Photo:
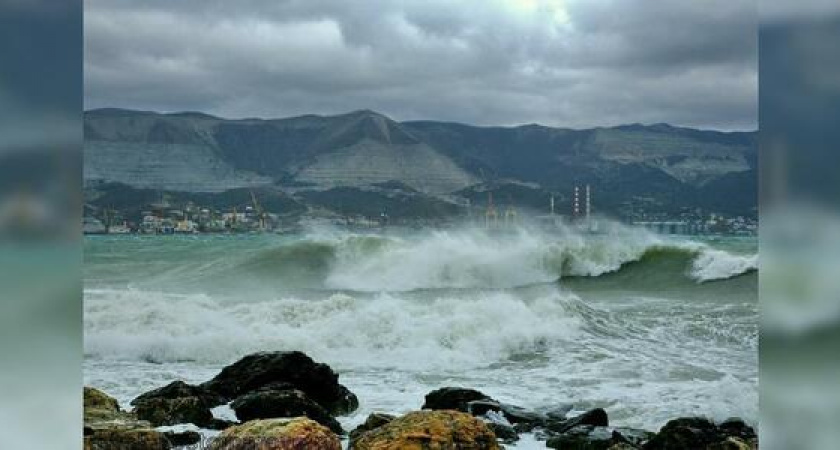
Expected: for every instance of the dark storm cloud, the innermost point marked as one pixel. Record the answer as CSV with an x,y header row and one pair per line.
x,y
557,62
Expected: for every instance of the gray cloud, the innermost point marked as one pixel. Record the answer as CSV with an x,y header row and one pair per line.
x,y
574,63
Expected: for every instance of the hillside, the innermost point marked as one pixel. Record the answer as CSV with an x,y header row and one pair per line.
x,y
325,161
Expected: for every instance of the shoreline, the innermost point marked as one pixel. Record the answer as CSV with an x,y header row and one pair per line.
x,y
263,388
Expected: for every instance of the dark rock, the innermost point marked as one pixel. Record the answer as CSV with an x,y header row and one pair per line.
x,y
596,417
453,398
126,439
514,414
632,436
172,411
584,437
373,421
506,433
736,427
559,413
687,433
501,427
316,380
106,427
734,443
179,389
181,438
269,404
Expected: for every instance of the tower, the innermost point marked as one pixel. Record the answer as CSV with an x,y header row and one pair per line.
x,y
576,204
551,203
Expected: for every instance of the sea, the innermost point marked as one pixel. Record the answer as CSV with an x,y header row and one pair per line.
x,y
648,327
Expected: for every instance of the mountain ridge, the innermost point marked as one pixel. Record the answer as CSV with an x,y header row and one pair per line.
x,y
658,166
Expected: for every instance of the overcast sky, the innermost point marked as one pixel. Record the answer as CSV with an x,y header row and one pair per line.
x,y
570,63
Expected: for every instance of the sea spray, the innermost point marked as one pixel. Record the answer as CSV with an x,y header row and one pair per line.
x,y
382,330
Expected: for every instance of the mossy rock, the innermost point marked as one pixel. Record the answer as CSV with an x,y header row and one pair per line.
x,y
140,439
430,430
96,399
277,434
173,411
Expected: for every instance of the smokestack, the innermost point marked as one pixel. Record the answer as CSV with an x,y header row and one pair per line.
x,y
588,202
576,206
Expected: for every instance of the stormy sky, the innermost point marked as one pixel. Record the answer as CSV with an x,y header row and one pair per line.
x,y
569,63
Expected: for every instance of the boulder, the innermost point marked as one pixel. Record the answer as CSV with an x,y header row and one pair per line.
x,y
173,411
95,400
277,434
736,427
523,419
182,438
180,389
595,417
296,369
585,437
373,421
421,430
266,404
688,433
558,413
106,427
500,426
126,439
101,411
633,436
454,398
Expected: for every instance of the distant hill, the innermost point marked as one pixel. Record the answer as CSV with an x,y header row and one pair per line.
x,y
363,160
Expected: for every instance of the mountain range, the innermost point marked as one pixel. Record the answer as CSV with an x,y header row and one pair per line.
x,y
365,163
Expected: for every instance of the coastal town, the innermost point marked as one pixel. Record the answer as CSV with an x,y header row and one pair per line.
x,y
166,217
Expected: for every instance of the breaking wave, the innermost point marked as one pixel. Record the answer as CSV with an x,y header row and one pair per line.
x,y
351,331
476,259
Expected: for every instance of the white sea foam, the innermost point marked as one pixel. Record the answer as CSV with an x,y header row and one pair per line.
x,y
376,331
711,264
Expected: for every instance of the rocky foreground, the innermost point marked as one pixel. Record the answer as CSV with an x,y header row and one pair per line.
x,y
287,401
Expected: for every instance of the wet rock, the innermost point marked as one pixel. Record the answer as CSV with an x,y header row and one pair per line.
x,y
525,419
633,436
622,446
689,433
373,421
419,430
277,434
139,439
173,411
733,443
500,426
316,380
108,427
181,438
453,398
95,400
736,427
180,389
559,413
101,411
585,437
595,417
266,403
